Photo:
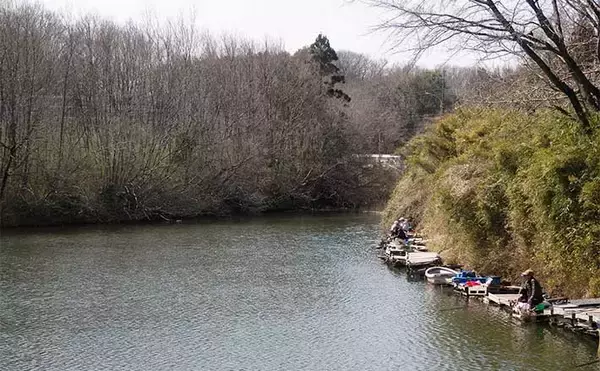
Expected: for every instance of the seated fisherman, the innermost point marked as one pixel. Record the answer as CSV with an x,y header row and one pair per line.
x,y
396,231
405,224
531,291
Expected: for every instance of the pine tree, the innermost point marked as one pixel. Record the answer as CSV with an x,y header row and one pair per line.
x,y
324,55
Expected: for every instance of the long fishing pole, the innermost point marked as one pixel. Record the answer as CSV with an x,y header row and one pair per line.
x,y
588,363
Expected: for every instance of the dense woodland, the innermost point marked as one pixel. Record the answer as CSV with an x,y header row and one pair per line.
x,y
104,122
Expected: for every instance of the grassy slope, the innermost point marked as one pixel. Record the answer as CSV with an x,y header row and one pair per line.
x,y
503,191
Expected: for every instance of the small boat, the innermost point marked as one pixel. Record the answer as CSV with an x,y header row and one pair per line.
x,y
416,260
465,276
440,275
470,284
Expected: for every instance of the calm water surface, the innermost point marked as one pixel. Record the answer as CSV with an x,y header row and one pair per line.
x,y
286,293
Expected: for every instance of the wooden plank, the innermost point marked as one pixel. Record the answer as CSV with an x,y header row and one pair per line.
x,y
569,312
567,306
592,302
581,312
475,291
593,313
558,301
503,299
502,290
417,257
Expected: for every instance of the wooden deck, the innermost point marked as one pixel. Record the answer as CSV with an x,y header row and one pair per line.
x,y
503,299
580,316
503,289
586,316
577,315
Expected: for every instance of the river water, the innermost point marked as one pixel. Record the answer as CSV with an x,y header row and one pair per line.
x,y
284,293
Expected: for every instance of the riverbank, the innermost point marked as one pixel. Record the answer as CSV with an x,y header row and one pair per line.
x,y
503,191
346,186
202,218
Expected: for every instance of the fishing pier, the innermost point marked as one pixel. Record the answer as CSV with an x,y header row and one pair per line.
x,y
579,316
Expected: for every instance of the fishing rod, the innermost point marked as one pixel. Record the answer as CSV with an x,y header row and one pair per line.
x,y
588,363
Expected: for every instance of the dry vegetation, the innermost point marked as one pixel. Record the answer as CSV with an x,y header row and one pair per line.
x,y
102,122
514,183
502,191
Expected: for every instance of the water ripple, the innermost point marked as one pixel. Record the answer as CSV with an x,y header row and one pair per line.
x,y
293,293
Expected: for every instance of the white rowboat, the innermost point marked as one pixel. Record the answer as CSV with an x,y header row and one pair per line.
x,y
440,275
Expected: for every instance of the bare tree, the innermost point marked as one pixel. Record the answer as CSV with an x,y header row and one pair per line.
x,y
356,66
540,30
106,122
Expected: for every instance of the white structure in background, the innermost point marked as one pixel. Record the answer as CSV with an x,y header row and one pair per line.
x,y
397,162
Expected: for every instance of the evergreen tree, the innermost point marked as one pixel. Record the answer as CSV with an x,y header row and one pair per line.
x,y
324,55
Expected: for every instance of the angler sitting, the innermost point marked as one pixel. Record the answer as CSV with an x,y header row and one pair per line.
x,y
396,231
531,292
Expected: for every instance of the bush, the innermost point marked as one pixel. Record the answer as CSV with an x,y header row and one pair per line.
x,y
503,191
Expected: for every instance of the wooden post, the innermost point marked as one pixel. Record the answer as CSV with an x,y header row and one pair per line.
x,y
573,319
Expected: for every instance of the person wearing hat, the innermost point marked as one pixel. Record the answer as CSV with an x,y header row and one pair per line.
x,y
531,291
396,231
404,224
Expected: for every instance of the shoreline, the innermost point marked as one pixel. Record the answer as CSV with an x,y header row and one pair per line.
x,y
571,314
202,218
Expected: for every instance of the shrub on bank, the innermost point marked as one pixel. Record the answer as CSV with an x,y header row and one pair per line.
x,y
503,191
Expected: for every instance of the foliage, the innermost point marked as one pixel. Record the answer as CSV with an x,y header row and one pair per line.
x,y
503,191
324,55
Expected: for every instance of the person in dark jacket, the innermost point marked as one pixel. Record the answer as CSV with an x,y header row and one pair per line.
x,y
531,291
401,234
396,231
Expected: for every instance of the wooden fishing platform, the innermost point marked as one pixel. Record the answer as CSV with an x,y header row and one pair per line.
x,y
484,291
507,302
578,315
581,316
503,289
502,299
